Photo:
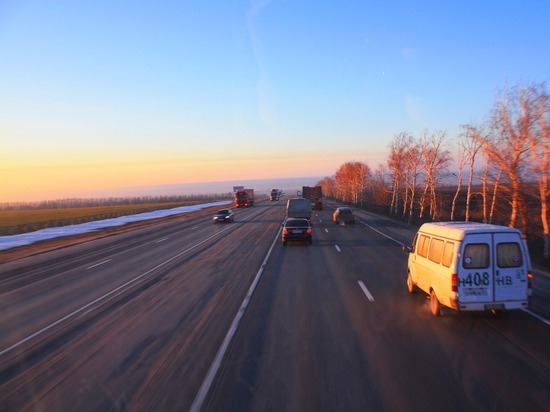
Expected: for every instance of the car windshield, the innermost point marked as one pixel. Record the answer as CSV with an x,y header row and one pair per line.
x,y
223,212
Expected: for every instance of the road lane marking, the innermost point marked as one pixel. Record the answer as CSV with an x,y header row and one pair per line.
x,y
326,230
380,233
195,227
536,316
161,240
98,264
113,293
207,383
366,291
337,248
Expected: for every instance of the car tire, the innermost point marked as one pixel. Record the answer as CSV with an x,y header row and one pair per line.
x,y
410,283
284,242
310,242
435,307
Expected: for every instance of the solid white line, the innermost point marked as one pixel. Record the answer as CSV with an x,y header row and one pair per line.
x,y
537,316
161,240
207,383
98,264
337,248
383,234
366,291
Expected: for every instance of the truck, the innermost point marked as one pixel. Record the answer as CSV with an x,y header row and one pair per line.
x,y
298,207
244,197
275,194
315,196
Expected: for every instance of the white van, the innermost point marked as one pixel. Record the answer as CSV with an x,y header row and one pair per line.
x,y
470,266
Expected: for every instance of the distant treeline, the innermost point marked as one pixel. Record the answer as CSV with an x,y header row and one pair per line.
x,y
110,201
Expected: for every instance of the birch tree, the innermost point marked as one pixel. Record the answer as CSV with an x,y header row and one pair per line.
x,y
471,146
539,146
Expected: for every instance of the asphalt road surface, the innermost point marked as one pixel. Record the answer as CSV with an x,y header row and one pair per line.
x,y
184,314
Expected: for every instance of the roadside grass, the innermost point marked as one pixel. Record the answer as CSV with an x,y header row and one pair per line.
x,y
14,222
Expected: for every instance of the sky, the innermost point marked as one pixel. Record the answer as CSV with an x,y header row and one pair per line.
x,y
99,96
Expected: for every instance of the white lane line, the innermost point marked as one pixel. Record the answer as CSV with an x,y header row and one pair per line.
x,y
337,248
161,240
195,227
207,383
537,316
366,291
380,233
98,264
326,230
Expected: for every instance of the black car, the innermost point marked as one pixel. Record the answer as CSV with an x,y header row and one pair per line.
x,y
343,215
296,229
224,215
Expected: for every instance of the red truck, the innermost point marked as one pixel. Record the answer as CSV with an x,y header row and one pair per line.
x,y
315,195
244,197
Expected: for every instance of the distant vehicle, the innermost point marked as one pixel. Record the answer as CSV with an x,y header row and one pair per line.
x,y
224,215
244,198
343,215
275,194
296,229
470,266
298,207
315,196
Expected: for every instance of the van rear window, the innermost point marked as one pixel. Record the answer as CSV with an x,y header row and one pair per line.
x,y
475,256
509,255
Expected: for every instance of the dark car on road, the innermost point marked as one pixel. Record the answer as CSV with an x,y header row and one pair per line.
x,y
296,229
343,215
224,215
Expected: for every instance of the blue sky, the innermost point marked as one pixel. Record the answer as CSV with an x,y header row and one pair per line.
x,y
101,95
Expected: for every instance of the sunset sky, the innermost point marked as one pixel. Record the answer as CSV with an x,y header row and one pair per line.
x,y
101,95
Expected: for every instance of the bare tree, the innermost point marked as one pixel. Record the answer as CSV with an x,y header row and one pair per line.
x,y
507,145
539,145
460,167
494,197
351,181
413,168
471,146
435,159
328,186
395,163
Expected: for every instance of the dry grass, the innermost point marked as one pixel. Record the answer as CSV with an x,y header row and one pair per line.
x,y
21,221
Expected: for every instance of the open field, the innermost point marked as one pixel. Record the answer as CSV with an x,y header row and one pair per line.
x,y
22,221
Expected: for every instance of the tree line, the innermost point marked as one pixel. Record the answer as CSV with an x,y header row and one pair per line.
x,y
492,172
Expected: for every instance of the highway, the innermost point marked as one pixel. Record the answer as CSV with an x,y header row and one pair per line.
x,y
184,314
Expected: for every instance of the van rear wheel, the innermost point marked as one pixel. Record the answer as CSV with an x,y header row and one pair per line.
x,y
434,304
410,283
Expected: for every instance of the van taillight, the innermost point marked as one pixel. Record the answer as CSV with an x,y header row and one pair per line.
x,y
529,280
454,282
308,231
